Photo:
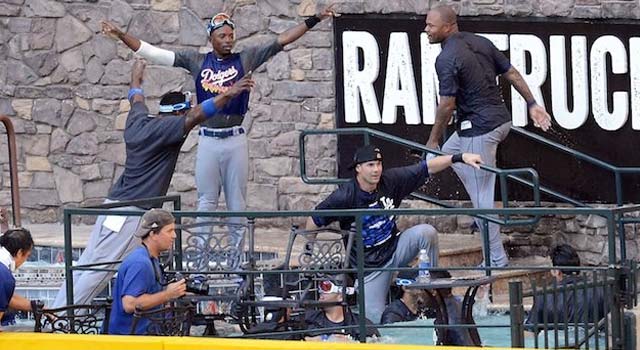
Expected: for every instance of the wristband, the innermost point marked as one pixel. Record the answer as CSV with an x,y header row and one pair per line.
x,y
457,158
531,104
134,91
312,21
209,108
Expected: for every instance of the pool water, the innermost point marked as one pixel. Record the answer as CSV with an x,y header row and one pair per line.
x,y
495,337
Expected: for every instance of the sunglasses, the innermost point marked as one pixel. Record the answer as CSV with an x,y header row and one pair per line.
x,y
404,282
218,21
330,287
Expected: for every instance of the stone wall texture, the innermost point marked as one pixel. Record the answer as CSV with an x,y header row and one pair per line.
x,y
64,85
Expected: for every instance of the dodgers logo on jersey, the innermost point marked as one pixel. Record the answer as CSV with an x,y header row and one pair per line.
x,y
217,82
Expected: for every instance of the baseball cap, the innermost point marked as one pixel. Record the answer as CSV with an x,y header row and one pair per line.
x,y
365,154
154,220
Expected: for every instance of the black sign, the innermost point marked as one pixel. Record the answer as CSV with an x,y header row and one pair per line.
x,y
586,73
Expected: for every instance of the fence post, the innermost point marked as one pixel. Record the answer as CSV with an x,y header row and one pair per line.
x,y
617,309
516,313
360,276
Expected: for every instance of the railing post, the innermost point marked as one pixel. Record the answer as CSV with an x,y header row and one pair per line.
x,y
360,275
68,256
611,237
486,248
177,206
516,313
617,310
13,170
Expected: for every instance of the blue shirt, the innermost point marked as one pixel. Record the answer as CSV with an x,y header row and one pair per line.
x,y
214,75
7,287
152,146
467,69
379,232
139,274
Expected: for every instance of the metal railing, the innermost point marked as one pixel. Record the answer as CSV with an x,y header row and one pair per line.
x,y
359,270
582,310
616,170
13,170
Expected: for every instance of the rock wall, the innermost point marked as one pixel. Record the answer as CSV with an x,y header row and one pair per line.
x,y
64,86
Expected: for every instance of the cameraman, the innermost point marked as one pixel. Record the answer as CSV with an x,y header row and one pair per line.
x,y
139,282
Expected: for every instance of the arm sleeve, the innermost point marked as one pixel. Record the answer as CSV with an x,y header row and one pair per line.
x,y
137,280
190,60
407,179
155,54
336,200
500,61
7,288
253,57
447,76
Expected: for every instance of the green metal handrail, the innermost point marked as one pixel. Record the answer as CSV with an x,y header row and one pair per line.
x,y
367,133
617,171
359,269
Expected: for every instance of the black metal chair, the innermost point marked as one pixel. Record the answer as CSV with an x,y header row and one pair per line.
x,y
211,250
76,319
323,251
171,320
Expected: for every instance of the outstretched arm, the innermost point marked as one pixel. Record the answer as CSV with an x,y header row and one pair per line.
x,y
154,54
539,115
293,34
440,163
444,112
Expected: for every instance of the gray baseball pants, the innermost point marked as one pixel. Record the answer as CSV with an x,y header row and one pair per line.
x,y
480,184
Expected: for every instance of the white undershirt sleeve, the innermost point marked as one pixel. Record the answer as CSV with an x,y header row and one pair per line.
x,y
156,55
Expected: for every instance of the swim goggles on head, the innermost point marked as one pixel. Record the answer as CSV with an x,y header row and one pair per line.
x,y
178,106
330,287
218,21
404,281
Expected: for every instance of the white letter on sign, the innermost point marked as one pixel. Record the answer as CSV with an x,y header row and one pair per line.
x,y
357,82
519,45
634,51
428,55
559,92
608,44
400,82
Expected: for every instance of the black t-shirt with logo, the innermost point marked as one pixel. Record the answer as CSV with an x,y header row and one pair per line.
x,y
379,232
152,146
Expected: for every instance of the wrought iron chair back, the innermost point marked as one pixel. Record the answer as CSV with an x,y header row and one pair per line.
x,y
76,319
212,247
172,320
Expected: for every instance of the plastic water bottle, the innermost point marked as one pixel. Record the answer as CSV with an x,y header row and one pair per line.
x,y
424,264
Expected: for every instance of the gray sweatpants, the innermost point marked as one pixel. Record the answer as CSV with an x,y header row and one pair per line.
x,y
480,184
410,243
103,245
223,164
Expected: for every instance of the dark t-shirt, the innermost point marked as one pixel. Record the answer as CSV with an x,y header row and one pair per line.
x,y
379,232
152,146
580,304
214,75
467,69
317,319
397,311
7,287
